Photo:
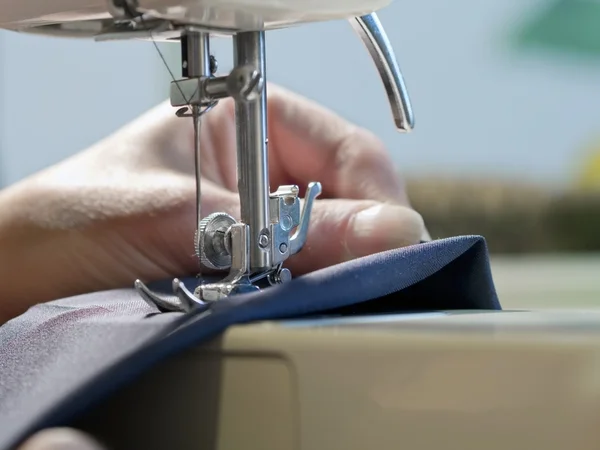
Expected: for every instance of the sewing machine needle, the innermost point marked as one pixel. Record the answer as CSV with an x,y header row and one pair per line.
x,y
196,55
198,168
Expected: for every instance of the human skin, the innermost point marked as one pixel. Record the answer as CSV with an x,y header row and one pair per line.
x,y
125,208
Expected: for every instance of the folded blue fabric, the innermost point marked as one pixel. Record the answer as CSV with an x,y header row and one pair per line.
x,y
61,358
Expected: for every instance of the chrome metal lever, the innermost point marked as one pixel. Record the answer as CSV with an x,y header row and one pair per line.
x,y
299,238
374,37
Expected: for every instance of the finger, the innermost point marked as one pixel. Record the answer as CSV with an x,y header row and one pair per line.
x,y
159,139
61,439
152,244
307,142
311,143
169,237
342,230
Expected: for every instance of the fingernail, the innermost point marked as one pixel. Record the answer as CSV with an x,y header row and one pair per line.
x,y
61,439
383,227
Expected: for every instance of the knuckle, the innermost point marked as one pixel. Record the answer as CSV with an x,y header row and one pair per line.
x,y
365,150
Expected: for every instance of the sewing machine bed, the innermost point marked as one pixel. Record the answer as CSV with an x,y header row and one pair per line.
x,y
471,380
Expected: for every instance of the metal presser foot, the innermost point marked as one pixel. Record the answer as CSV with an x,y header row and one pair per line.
x,y
273,225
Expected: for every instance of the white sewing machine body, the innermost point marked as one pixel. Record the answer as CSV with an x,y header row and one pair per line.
x,y
466,380
84,18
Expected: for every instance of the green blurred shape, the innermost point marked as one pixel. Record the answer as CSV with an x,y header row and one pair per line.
x,y
568,26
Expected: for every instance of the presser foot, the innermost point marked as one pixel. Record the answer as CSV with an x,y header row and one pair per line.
x,y
223,243
182,299
223,289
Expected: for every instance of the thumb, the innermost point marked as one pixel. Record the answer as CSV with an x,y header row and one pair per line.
x,y
60,439
342,230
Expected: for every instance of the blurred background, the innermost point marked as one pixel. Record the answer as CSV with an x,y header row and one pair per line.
x,y
507,102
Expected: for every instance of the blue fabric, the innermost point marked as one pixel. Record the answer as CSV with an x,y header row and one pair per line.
x,y
61,358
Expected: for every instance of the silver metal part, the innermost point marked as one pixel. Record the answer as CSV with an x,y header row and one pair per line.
x,y
237,281
252,163
374,37
299,238
186,302
280,276
285,217
242,84
214,241
202,92
272,226
163,304
246,84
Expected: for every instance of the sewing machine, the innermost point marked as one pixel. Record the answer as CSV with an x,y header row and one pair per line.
x,y
468,380
273,227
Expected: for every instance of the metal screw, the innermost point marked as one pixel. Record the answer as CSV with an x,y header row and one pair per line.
x,y
263,240
245,83
279,277
214,66
283,247
286,222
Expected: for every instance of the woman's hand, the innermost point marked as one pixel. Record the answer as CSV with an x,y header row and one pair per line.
x,y
125,208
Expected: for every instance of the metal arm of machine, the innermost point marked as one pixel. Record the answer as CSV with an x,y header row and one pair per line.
x,y
272,226
374,37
